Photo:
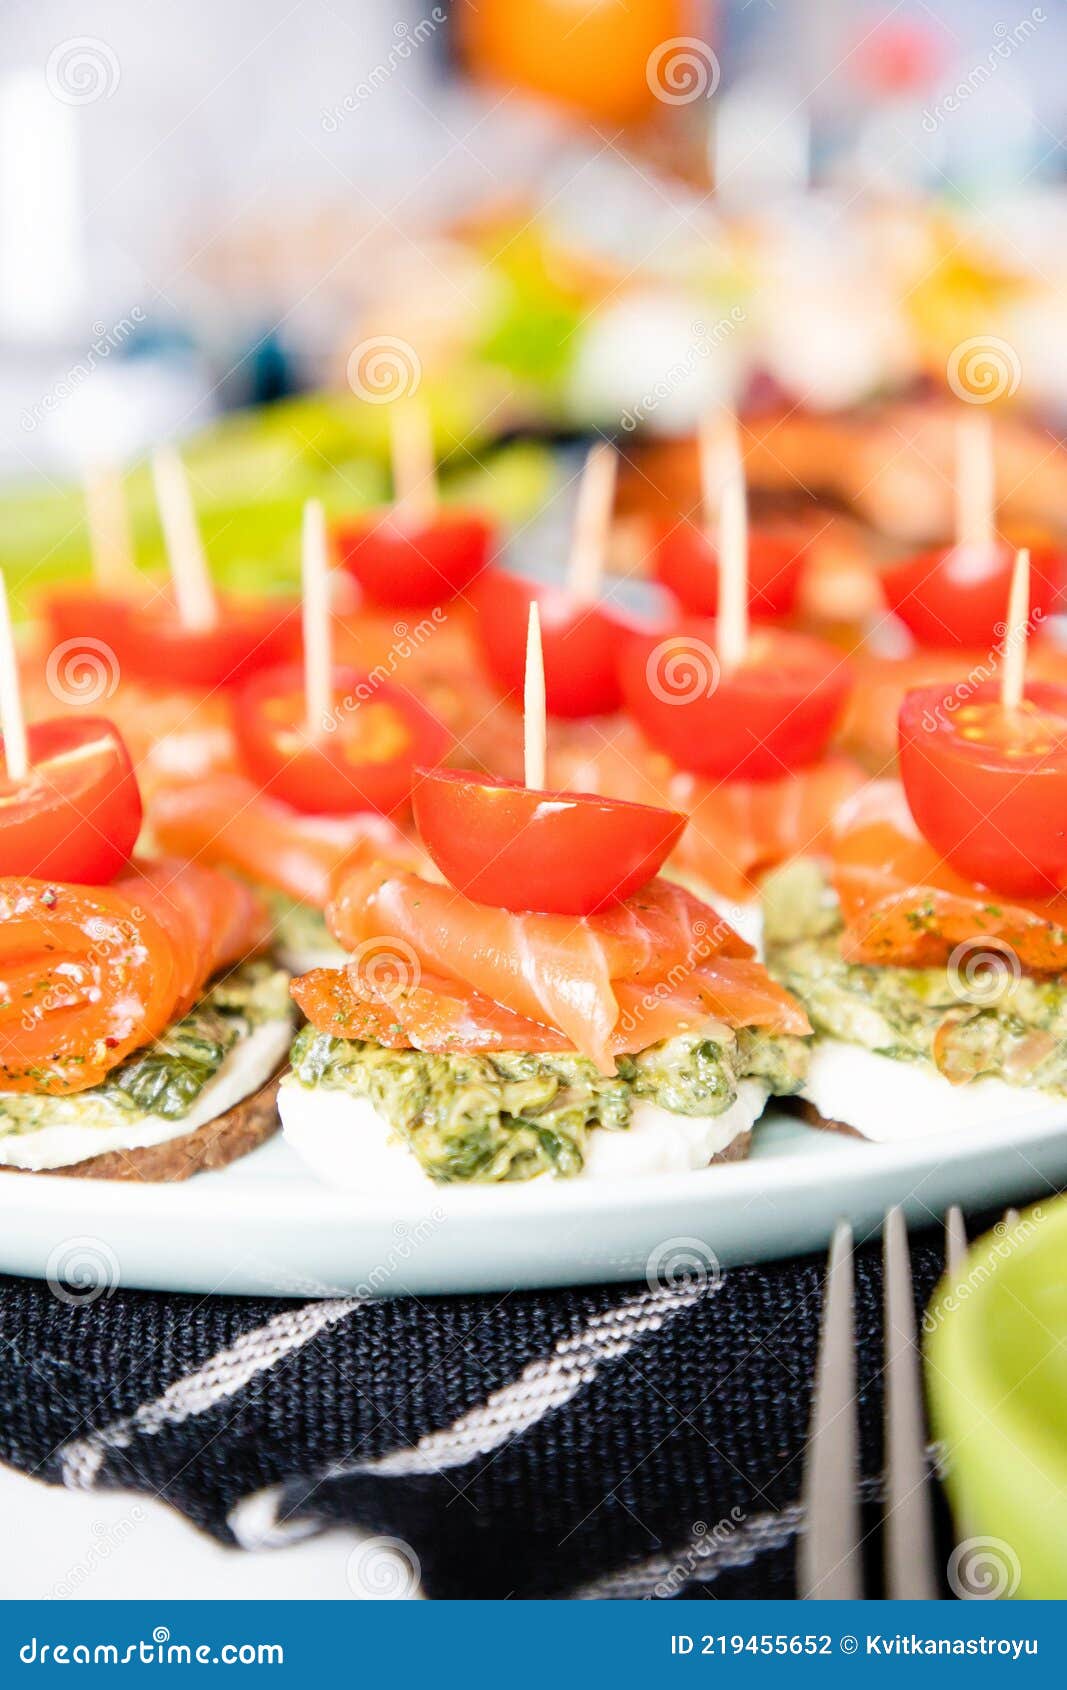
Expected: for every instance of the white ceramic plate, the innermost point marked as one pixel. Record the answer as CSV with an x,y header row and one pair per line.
x,y
266,1226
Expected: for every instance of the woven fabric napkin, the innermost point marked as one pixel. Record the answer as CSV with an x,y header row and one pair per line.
x,y
612,1442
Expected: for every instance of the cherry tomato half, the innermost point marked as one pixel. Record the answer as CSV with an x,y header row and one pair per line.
x,y
83,613
77,814
152,644
364,756
685,563
772,713
400,564
988,786
561,853
958,595
580,643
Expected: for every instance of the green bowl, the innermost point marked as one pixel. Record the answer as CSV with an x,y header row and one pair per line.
x,y
996,1373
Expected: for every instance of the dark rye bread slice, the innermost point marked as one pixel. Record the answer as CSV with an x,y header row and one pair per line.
x,y
214,1145
736,1151
808,1112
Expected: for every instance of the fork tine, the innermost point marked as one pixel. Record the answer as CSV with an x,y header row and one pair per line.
x,y
955,1238
830,1566
909,1549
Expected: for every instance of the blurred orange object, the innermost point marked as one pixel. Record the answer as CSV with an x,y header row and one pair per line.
x,y
591,55
738,829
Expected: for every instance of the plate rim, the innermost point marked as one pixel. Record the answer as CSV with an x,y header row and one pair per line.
x,y
535,1199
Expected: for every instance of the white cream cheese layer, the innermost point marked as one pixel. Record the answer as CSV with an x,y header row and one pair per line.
x,y
888,1101
242,1072
347,1144
299,959
660,1142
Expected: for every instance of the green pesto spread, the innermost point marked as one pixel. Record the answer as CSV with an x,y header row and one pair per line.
x,y
166,1077
968,1021
300,930
513,1115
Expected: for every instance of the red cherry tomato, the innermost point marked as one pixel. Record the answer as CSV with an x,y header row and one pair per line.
x,y
958,595
77,814
400,564
773,713
363,758
153,645
83,613
580,643
562,853
685,563
988,787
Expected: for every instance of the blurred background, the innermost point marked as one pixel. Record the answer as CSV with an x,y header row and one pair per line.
x,y
247,225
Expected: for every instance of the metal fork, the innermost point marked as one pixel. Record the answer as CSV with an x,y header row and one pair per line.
x,y
830,1563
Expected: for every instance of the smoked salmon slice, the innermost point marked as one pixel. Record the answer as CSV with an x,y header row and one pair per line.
x,y
904,905
738,830
440,1015
667,950
436,1015
226,820
212,919
868,729
88,974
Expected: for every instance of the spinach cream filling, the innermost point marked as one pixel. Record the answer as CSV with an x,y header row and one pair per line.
x,y
512,1115
167,1076
966,1021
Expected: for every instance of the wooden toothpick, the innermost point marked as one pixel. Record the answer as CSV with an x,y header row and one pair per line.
x,y
592,524
194,594
12,721
315,613
414,464
1013,674
110,540
975,480
732,548
721,459
534,729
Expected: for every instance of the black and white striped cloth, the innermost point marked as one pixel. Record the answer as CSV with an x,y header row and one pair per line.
x,y
608,1442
